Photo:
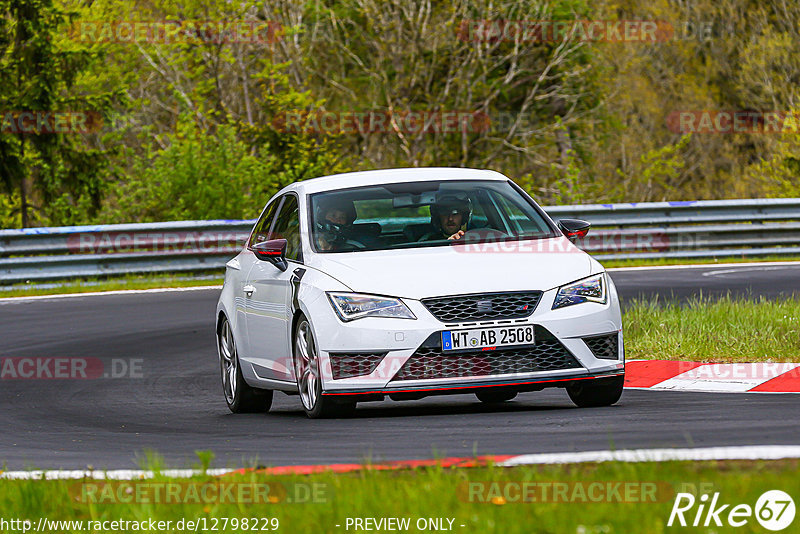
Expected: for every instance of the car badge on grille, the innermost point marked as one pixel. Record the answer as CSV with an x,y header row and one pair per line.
x,y
484,306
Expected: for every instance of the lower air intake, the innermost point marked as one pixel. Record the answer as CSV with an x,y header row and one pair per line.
x,y
347,365
605,347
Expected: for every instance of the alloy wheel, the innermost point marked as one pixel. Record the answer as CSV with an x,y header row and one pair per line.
x,y
307,365
228,362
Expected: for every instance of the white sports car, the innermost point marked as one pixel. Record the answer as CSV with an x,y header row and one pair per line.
x,y
410,283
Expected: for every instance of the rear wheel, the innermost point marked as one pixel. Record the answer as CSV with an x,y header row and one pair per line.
x,y
239,395
495,396
600,392
309,378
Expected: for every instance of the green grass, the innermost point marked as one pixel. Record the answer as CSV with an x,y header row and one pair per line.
x,y
93,285
720,330
329,499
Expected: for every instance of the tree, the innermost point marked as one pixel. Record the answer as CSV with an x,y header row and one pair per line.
x,y
53,173
210,97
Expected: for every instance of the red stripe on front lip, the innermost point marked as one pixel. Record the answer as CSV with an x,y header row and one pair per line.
x,y
502,384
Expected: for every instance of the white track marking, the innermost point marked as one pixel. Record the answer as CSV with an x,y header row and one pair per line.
x,y
705,266
750,452
762,452
11,300
746,269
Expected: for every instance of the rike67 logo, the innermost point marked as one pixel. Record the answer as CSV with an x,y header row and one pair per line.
x,y
774,510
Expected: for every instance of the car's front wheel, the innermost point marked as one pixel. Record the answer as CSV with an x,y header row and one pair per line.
x,y
593,393
239,395
309,378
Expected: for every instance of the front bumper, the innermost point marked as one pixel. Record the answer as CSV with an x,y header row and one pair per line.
x,y
528,384
397,340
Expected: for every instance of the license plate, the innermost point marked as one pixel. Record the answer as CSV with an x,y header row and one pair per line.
x,y
481,338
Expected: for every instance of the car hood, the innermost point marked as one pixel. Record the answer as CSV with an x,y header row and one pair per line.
x,y
450,270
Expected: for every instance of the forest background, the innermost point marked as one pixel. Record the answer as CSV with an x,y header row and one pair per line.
x,y
204,109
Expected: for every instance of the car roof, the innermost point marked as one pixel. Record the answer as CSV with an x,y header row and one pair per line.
x,y
389,176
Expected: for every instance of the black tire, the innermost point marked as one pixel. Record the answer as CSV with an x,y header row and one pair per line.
x,y
240,396
495,396
306,365
599,392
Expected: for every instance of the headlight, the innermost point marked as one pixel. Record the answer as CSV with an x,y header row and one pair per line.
x,y
591,289
351,306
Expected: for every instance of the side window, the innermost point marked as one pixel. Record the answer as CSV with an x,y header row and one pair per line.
x,y
261,230
287,226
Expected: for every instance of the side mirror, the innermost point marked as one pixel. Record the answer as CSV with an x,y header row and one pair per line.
x,y
574,229
273,251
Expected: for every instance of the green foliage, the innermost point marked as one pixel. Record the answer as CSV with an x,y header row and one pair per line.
x,y
201,176
9,211
568,186
199,129
55,174
204,138
596,497
197,176
205,458
658,173
778,174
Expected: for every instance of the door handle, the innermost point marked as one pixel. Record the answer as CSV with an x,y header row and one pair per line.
x,y
249,290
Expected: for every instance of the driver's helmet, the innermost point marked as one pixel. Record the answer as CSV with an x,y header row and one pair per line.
x,y
451,202
330,231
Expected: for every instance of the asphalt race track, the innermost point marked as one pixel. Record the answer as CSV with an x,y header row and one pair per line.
x,y
176,407
681,283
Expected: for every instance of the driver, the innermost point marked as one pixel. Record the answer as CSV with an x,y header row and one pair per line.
x,y
450,214
334,219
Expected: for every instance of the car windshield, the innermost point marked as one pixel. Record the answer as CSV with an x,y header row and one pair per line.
x,y
423,214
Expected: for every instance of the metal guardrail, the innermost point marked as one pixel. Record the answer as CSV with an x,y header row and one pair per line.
x,y
694,229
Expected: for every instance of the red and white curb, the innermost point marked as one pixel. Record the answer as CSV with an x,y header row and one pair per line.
x,y
761,452
764,377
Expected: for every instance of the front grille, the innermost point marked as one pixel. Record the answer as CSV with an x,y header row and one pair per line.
x,y
605,347
429,361
346,365
483,306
